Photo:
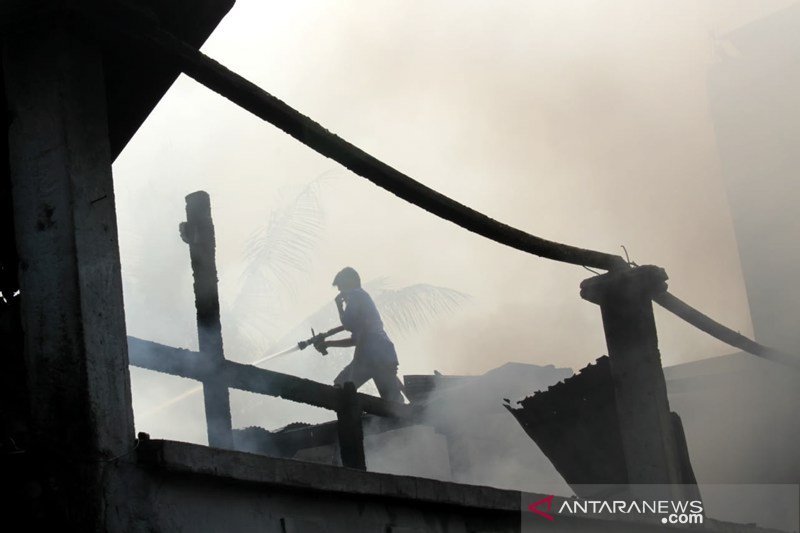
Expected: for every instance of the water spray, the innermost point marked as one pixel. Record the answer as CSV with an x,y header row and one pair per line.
x,y
287,351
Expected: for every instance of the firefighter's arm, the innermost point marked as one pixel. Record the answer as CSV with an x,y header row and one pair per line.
x,y
340,343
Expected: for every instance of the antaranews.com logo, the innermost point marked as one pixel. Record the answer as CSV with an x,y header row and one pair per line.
x,y
639,508
677,512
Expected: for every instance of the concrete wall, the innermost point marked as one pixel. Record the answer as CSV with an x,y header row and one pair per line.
x,y
739,413
754,94
184,487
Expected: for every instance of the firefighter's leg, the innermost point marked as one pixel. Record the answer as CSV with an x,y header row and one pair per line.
x,y
389,386
355,372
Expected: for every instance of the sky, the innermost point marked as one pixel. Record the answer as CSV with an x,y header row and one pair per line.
x,y
584,122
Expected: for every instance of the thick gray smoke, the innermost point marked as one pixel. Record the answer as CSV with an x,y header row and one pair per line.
x,y
584,122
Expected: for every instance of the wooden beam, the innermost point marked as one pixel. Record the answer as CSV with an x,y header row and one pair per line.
x,y
167,359
672,303
189,364
350,430
166,47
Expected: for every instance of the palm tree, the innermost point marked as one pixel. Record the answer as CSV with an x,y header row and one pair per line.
x,y
276,257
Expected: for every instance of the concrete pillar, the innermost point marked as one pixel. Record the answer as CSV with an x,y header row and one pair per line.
x,y
198,232
648,440
69,270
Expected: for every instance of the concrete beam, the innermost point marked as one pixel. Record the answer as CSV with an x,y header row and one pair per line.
x,y
233,491
66,234
648,440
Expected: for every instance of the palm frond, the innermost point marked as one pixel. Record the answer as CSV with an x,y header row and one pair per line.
x,y
284,247
411,308
276,254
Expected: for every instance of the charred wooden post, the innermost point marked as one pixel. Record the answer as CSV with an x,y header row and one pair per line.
x,y
198,233
648,437
351,431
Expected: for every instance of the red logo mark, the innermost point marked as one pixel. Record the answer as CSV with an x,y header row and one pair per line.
x,y
549,501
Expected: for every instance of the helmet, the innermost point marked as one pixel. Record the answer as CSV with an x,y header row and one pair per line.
x,y
348,277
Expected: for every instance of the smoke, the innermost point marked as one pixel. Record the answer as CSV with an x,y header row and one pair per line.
x,y
584,122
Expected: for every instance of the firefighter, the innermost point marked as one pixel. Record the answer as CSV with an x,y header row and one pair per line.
x,y
374,357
